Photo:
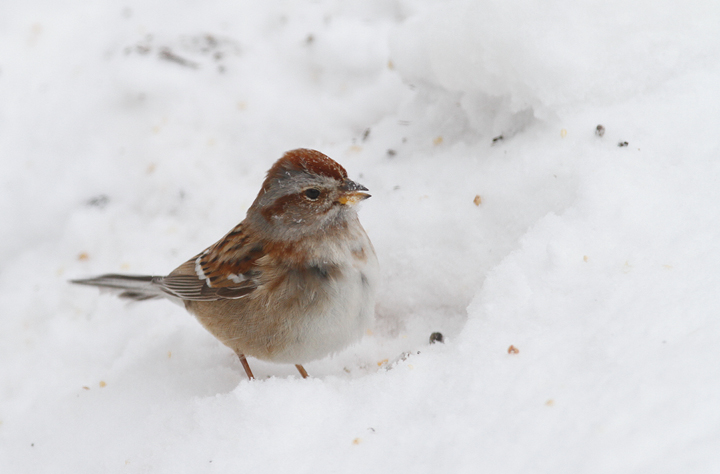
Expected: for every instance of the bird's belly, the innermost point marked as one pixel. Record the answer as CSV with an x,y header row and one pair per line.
x,y
296,319
326,319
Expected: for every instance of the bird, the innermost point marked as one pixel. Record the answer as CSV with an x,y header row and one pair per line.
x,y
294,282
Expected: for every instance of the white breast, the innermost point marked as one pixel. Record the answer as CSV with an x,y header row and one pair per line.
x,y
343,310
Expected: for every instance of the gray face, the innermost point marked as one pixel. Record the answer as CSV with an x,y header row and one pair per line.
x,y
300,204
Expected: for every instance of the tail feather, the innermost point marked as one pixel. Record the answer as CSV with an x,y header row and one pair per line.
x,y
135,287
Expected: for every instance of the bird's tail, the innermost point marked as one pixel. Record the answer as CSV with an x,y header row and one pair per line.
x,y
135,287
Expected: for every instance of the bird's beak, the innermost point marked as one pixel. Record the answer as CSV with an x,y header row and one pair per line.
x,y
352,193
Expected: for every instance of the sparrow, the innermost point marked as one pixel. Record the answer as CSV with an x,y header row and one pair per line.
x,y
292,283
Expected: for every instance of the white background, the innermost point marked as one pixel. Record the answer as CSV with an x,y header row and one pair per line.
x,y
134,134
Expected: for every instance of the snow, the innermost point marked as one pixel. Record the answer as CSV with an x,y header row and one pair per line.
x,y
134,134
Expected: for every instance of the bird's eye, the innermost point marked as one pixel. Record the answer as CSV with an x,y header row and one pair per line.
x,y
312,193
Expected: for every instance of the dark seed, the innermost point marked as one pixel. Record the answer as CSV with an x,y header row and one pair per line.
x,y
436,337
99,201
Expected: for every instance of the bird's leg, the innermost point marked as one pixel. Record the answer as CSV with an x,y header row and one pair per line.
x,y
245,365
302,371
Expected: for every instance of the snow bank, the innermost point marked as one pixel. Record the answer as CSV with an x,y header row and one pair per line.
x,y
134,135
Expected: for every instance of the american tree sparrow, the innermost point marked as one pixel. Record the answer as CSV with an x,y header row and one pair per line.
x,y
291,283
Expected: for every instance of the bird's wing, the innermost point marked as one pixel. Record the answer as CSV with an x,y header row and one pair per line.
x,y
226,270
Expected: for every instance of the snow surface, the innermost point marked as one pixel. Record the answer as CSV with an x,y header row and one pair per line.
x,y
134,134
